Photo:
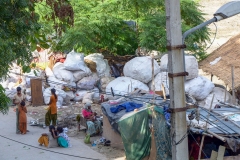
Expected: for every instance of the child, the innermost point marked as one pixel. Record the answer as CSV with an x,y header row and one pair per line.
x,y
49,139
63,139
22,110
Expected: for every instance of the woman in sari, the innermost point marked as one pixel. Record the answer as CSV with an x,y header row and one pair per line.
x,y
49,139
51,115
94,125
22,110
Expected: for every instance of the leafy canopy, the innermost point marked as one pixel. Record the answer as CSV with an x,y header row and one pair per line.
x,y
21,32
100,26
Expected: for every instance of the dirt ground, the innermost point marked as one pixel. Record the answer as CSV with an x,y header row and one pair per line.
x,y
226,28
73,133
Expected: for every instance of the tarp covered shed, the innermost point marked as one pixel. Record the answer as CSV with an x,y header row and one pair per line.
x,y
135,127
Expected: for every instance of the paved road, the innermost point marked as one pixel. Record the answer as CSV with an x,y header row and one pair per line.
x,y
11,150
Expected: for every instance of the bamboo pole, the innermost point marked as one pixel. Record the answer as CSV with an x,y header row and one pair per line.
x,y
206,127
233,92
164,92
225,94
153,82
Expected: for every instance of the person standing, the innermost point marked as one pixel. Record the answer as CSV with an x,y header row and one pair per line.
x,y
19,96
51,115
17,99
22,110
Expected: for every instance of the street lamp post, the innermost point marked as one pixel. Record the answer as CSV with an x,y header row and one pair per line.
x,y
228,10
176,63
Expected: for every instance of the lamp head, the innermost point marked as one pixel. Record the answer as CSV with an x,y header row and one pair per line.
x,y
228,10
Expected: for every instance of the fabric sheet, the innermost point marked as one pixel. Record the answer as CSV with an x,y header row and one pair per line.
x,y
128,106
162,135
136,135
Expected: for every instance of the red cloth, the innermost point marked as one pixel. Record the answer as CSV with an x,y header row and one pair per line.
x,y
62,60
86,114
195,151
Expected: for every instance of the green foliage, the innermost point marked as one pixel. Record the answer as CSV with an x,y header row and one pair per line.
x,y
20,32
4,101
18,23
99,27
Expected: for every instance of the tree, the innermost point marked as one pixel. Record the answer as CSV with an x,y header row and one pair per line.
x,y
100,26
20,33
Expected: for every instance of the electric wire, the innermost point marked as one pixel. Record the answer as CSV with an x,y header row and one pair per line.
x,y
47,149
213,38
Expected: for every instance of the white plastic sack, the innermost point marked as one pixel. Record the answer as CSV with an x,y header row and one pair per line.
x,y
199,87
61,73
75,62
79,95
87,82
106,73
10,93
104,82
4,83
55,83
69,95
103,68
59,102
11,85
159,79
87,98
191,66
95,92
28,98
48,72
28,91
164,63
78,75
140,68
47,94
125,85
219,94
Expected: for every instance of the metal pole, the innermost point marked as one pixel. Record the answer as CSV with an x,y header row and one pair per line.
x,y
188,32
176,84
185,34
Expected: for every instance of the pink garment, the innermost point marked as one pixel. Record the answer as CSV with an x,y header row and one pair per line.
x,y
86,114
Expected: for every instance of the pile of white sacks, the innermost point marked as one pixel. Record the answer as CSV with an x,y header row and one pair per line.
x,y
72,73
137,74
199,87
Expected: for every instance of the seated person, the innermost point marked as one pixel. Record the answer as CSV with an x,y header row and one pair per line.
x,y
49,139
94,125
63,139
